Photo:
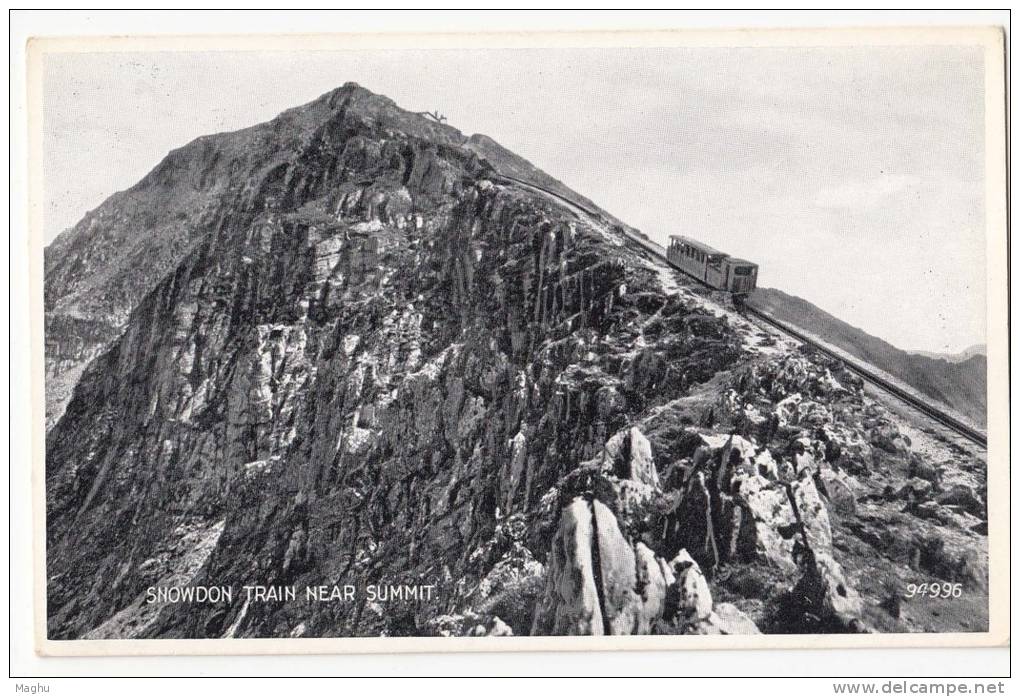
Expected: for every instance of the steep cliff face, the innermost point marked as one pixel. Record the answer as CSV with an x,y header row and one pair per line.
x,y
374,359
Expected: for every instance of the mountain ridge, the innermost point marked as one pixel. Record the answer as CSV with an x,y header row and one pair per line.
x,y
958,356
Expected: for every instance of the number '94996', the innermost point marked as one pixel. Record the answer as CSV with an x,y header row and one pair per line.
x,y
934,590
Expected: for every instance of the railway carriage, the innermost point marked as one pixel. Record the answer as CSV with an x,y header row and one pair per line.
x,y
712,267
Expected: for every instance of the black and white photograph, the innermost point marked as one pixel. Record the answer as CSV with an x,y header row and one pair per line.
x,y
694,339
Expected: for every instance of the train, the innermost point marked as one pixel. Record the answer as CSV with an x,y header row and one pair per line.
x,y
710,266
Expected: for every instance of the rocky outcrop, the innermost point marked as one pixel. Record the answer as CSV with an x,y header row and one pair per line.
x,y
573,600
599,583
368,357
628,455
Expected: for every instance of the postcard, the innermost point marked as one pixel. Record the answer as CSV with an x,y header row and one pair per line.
x,y
352,343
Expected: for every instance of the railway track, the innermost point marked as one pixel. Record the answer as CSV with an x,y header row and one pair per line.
x,y
954,424
934,413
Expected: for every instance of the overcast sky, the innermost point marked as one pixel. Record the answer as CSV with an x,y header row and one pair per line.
x,y
853,176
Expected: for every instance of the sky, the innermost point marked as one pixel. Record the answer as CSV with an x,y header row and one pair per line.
x,y
854,176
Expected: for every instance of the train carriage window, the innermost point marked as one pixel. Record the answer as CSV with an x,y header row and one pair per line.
x,y
742,271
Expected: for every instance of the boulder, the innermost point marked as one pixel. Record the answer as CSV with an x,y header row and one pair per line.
x,y
840,597
655,578
571,601
628,455
622,607
822,601
511,588
814,516
963,496
787,410
931,510
766,466
499,628
726,455
923,470
691,526
691,599
915,489
725,619
776,526
815,414
887,437
840,489
597,582
847,448
637,505
828,385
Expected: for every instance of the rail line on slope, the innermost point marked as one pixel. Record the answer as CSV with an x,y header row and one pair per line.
x,y
967,431
947,420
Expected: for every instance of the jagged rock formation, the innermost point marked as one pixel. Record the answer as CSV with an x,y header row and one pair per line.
x,y
344,348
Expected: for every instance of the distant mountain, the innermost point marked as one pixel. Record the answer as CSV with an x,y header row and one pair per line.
x,y
957,381
959,357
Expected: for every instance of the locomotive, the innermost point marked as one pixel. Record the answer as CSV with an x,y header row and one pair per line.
x,y
710,266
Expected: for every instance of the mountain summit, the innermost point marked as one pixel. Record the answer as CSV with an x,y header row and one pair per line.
x,y
352,348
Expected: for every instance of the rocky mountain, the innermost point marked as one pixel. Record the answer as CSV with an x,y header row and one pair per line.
x,y
959,382
347,348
